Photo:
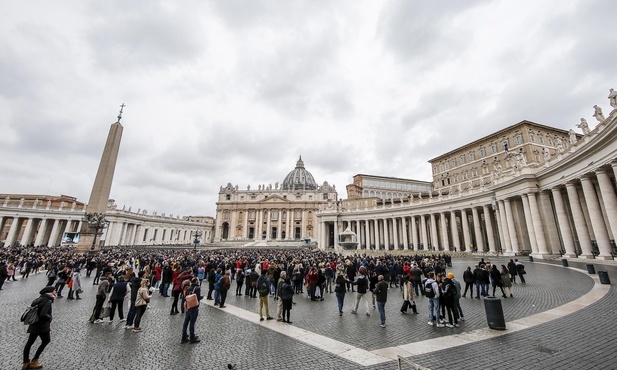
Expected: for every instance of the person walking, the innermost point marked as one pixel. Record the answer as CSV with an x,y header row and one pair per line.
x,y
135,284
191,313
496,278
286,295
141,303
362,284
408,297
263,290
340,289
116,298
40,329
101,296
505,280
381,296
469,280
76,284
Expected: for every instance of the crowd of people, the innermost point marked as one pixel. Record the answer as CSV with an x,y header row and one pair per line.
x,y
264,274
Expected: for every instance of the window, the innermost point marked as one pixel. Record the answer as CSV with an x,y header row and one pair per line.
x,y
453,163
228,197
456,177
251,215
482,151
518,138
540,138
532,136
298,215
550,141
474,172
275,215
465,175
441,167
462,159
226,215
325,196
472,155
505,143
493,147
434,169
447,166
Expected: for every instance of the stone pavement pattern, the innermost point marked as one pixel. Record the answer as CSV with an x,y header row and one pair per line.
x,y
585,339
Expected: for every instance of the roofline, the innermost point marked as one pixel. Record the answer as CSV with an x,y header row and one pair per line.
x,y
521,123
392,178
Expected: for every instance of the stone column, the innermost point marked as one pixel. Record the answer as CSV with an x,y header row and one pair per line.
x,y
477,229
27,237
11,238
53,237
564,224
511,226
530,227
597,220
454,229
465,226
424,231
414,232
395,232
579,221
40,236
386,234
245,225
377,241
404,233
503,228
279,227
444,231
538,225
268,216
359,234
609,199
434,236
488,221
289,227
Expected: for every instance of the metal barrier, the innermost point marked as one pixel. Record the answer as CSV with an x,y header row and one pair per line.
x,y
400,359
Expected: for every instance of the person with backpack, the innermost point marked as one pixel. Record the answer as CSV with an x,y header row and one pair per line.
x,y
449,294
263,289
191,314
225,285
431,291
52,273
41,328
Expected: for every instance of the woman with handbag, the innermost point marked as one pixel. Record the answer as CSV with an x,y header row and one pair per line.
x,y
193,295
141,303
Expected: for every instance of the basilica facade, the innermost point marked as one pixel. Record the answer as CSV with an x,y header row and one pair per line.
x,y
527,189
273,213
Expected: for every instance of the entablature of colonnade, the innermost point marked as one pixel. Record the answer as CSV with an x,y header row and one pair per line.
x,y
596,150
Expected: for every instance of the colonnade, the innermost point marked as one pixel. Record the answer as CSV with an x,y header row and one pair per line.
x,y
266,224
575,218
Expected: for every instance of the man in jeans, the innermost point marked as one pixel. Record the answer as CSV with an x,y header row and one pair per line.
x,y
433,299
362,284
101,296
381,295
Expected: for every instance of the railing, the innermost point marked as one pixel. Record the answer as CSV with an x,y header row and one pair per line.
x,y
400,361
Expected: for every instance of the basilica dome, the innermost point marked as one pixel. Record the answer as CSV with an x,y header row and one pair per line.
x,y
299,178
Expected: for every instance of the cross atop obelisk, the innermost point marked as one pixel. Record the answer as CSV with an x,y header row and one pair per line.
x,y
120,114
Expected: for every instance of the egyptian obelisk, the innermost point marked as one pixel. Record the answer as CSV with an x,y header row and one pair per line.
x,y
102,183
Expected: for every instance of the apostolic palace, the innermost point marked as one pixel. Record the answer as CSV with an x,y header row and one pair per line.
x,y
526,189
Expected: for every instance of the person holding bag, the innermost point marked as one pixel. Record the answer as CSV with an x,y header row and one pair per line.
x,y
193,296
141,303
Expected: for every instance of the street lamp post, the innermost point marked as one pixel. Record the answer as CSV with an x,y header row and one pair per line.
x,y
196,235
97,222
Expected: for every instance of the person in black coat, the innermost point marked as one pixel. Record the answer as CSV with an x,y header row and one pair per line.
x,y
41,328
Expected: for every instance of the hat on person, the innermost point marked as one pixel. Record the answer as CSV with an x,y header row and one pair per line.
x,y
450,275
47,289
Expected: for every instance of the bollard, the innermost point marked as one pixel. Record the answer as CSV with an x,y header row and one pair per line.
x,y
494,313
530,258
564,262
603,275
591,269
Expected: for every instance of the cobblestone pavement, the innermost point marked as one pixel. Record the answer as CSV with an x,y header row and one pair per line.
x,y
583,339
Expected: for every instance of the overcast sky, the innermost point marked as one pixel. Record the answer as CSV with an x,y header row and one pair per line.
x,y
232,91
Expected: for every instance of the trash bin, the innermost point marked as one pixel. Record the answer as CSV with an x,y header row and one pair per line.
x,y
564,262
494,313
603,275
591,269
530,258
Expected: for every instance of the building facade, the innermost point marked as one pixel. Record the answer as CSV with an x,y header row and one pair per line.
x,y
51,220
273,213
528,189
